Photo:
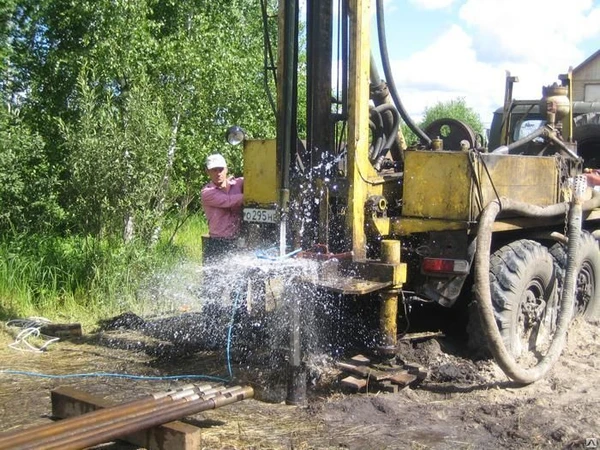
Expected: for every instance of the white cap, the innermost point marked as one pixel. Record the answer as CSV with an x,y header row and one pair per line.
x,y
215,161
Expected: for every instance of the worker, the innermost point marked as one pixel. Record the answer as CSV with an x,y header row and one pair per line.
x,y
222,201
593,177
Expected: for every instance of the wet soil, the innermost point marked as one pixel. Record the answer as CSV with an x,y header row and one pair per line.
x,y
463,404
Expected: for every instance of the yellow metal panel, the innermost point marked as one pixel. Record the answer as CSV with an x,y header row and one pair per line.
x,y
408,225
261,184
444,185
531,179
400,272
437,185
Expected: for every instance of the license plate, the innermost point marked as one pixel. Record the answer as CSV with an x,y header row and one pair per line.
x,y
259,215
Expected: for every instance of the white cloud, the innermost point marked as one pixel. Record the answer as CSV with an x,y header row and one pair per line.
x,y
535,40
445,70
432,4
544,32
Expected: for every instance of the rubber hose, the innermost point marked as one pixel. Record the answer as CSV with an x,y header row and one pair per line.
x,y
482,282
391,132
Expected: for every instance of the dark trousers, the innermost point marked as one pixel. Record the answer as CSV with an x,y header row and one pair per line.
x,y
214,249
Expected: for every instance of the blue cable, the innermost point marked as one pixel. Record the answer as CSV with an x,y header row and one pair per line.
x,y
113,375
264,255
229,334
157,378
144,377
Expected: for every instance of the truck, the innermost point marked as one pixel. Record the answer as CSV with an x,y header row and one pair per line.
x,y
517,118
508,231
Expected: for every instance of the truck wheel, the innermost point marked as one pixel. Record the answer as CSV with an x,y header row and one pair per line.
x,y
586,133
587,290
524,295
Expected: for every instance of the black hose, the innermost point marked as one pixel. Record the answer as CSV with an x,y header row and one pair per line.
x,y
385,61
377,139
393,131
482,282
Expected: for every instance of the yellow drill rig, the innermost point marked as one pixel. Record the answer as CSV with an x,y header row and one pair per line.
x,y
511,229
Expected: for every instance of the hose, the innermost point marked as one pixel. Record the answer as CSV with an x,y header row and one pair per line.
x,y
384,132
482,280
543,131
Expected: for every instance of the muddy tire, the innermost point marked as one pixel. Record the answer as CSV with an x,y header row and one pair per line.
x,y
523,289
587,290
586,133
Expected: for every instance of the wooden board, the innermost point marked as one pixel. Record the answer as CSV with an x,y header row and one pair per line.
x,y
365,375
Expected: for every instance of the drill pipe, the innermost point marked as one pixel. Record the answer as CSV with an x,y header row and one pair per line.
x,y
122,428
39,429
21,437
179,399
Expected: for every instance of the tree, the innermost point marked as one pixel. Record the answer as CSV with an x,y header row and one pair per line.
x,y
27,185
128,97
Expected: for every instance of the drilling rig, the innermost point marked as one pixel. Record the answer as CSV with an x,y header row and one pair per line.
x,y
511,229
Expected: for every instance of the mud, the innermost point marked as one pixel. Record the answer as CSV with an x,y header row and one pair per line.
x,y
463,404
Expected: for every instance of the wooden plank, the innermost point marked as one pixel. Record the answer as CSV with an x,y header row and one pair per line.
x,y
62,329
388,367
363,371
360,360
384,386
350,286
69,402
417,370
423,335
354,383
402,379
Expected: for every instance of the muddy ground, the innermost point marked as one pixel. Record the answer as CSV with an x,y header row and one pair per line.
x,y
463,404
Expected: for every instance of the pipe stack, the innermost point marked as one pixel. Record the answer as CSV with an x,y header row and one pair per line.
x,y
107,424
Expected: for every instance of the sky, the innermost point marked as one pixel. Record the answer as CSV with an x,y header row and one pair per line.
x,y
441,50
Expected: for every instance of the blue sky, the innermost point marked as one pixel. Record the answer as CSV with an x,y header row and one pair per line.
x,y
444,49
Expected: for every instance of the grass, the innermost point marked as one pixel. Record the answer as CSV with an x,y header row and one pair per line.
x,y
189,237
81,279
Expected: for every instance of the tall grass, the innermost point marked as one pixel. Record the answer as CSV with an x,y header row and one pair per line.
x,y
84,279
188,236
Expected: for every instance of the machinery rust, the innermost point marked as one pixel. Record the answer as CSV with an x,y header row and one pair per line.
x,y
107,424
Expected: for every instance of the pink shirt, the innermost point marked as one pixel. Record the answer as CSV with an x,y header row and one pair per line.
x,y
223,209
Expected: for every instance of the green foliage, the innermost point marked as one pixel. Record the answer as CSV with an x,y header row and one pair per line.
x,y
119,104
186,236
74,276
453,109
27,185
141,86
115,159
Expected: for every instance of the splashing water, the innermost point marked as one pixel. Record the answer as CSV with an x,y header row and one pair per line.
x,y
257,292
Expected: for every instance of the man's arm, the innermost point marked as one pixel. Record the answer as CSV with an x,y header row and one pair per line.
x,y
593,178
217,198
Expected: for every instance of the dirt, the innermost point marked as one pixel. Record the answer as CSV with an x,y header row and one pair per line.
x,y
463,404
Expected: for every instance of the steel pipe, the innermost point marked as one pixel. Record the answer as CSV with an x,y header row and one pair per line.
x,y
153,402
173,412
91,425
9,439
